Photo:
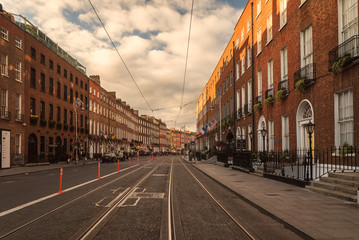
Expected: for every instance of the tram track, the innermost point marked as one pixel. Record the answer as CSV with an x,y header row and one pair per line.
x,y
57,209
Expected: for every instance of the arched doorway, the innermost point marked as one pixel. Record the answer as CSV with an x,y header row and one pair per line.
x,y
304,115
58,149
32,149
262,143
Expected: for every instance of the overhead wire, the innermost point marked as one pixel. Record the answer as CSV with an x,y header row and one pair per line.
x,y
186,62
128,70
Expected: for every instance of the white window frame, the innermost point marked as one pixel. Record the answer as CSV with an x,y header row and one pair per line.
x,y
270,135
17,143
249,137
237,70
270,73
4,102
243,65
248,24
347,19
242,35
243,96
344,117
285,133
259,7
249,56
18,71
282,13
259,41
4,33
259,82
5,65
18,42
269,28
238,101
284,63
306,46
249,95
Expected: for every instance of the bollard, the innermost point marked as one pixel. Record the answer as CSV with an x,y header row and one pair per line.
x,y
118,165
137,160
129,163
61,173
99,171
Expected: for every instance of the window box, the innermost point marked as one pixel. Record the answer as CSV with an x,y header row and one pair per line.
x,y
258,106
52,123
66,126
269,101
306,76
59,125
300,85
82,130
341,62
34,119
72,128
43,122
281,94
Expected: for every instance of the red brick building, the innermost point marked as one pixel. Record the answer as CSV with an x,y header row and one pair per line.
x,y
12,91
286,65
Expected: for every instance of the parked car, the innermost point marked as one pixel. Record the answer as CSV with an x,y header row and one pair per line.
x,y
109,157
119,156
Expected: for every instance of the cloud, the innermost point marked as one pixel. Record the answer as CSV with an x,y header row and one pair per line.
x,y
151,36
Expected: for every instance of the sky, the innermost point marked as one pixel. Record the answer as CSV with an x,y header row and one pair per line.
x,y
151,36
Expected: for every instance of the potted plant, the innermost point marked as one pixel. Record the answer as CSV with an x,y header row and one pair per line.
x,y
269,101
338,65
281,94
346,149
52,123
300,85
258,106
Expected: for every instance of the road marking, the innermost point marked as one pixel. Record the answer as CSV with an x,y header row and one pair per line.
x,y
53,195
159,175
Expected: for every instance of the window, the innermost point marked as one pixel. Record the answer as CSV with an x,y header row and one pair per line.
x,y
51,86
282,13
249,137
237,70
4,34
51,64
42,59
243,96
284,63
306,46
42,111
231,78
349,19
90,90
259,7
58,69
249,57
71,118
18,42
33,53
249,94
238,100
344,117
270,74
32,106
17,106
270,135
237,42
58,92
227,83
65,93
58,114
71,77
18,71
269,28
65,116
4,65
81,84
76,81
86,86
242,35
17,143
285,133
65,73
51,112
4,103
259,41
71,95
33,78
243,64
259,82
248,24
42,85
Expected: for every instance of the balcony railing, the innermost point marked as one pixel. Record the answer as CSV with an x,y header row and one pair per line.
x,y
308,73
5,115
348,51
246,109
19,117
269,92
239,113
250,108
283,84
258,99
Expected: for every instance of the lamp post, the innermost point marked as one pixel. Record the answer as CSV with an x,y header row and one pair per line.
x,y
76,104
250,138
264,132
310,129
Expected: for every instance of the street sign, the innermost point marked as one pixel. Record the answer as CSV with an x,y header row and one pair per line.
x,y
192,143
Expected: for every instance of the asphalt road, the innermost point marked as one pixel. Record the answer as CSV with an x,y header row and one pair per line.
x,y
132,204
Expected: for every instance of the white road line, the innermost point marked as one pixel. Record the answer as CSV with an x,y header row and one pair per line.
x,y
169,205
54,195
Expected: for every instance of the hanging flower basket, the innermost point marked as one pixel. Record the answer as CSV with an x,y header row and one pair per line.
x,y
300,85
33,119
269,101
258,106
338,65
281,94
43,122
52,123
72,128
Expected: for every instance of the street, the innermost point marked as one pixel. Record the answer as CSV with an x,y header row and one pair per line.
x,y
162,199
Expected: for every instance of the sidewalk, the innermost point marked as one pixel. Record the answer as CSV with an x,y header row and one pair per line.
x,y
316,215
39,168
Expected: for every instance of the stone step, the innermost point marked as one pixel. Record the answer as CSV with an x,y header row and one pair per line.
x,y
335,187
340,195
340,181
351,176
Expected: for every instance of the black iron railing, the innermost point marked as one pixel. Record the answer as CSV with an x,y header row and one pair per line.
x,y
5,115
283,84
19,117
245,109
348,50
269,92
308,73
239,113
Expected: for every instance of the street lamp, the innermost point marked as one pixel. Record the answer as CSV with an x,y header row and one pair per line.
x,y
264,132
76,104
310,129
